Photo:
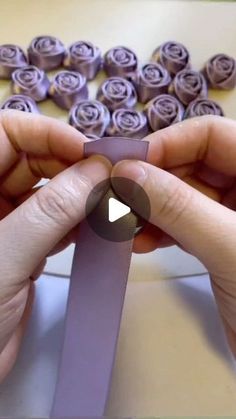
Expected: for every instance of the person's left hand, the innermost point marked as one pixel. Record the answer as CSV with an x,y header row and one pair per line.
x,y
34,223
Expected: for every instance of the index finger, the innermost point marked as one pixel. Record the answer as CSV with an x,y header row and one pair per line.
x,y
39,136
210,139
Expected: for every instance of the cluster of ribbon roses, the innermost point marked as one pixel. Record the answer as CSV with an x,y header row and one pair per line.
x,y
167,86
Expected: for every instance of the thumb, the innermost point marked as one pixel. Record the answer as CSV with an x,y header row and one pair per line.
x,y
29,233
203,227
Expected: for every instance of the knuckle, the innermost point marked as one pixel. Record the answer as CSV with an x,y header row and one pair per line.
x,y
56,204
176,201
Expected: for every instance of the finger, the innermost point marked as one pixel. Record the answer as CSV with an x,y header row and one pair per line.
x,y
151,238
34,228
9,354
208,138
196,222
204,173
39,136
27,173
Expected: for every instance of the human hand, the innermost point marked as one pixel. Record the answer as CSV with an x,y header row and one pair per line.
x,y
191,184
36,222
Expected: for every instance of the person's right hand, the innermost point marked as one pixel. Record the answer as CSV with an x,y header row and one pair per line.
x,y
193,200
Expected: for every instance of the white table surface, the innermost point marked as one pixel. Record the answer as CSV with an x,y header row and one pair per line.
x,y
172,356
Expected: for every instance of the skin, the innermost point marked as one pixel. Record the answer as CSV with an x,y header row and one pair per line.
x,y
189,179
35,223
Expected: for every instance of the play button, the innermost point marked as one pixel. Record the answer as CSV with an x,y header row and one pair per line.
x,y
112,219
117,210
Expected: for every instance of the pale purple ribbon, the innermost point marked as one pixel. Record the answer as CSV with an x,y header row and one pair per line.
x,y
117,92
84,57
20,103
67,88
163,111
189,85
96,296
11,58
128,123
172,55
220,72
151,80
120,61
90,117
46,52
30,81
201,107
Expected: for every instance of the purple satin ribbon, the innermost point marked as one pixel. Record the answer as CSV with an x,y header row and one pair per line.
x,y
96,296
151,80
120,61
11,58
46,52
20,103
30,81
201,107
90,117
128,123
189,85
84,57
173,56
117,92
67,88
163,111
220,72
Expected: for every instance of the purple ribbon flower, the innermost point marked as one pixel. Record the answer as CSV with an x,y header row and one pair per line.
x,y
11,58
201,107
173,56
30,81
163,110
84,57
220,72
67,88
46,52
151,80
117,92
189,85
20,103
128,123
90,117
120,61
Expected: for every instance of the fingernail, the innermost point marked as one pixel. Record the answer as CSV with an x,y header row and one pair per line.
x,y
133,171
95,168
130,169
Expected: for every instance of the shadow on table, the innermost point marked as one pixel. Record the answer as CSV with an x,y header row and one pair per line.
x,y
202,306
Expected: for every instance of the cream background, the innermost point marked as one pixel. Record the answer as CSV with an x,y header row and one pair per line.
x,y
172,357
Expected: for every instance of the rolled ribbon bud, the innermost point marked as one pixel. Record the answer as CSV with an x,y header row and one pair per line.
x,y
120,61
220,72
173,56
11,58
67,88
189,85
30,81
84,57
201,107
117,92
46,52
90,117
163,111
152,79
20,103
128,123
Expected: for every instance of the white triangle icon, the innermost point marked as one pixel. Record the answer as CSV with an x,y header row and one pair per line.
x,y
116,210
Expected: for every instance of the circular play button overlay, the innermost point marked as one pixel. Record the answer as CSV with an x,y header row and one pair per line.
x,y
113,219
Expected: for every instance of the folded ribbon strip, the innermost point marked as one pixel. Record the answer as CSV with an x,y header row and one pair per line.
x,y
96,296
